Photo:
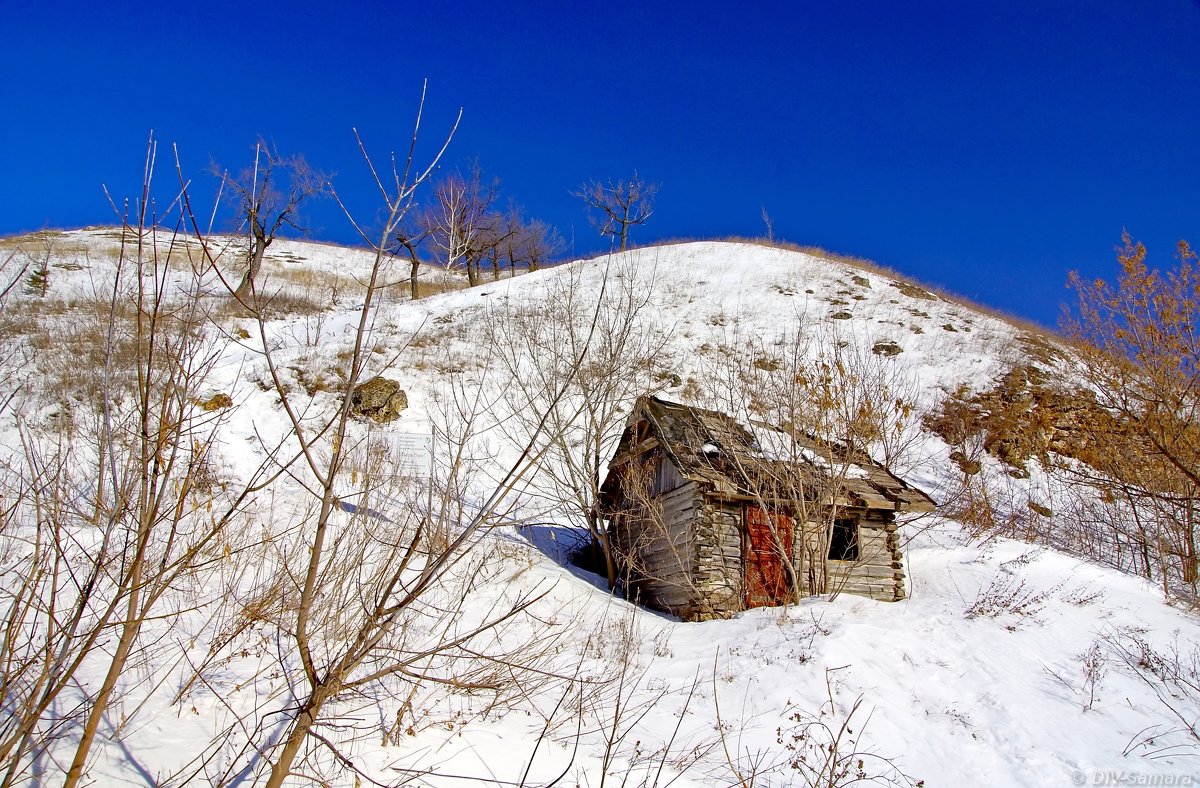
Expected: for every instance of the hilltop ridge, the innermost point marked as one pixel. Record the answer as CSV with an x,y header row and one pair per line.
x,y
1030,665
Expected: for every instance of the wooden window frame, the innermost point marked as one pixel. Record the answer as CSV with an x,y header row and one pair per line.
x,y
851,550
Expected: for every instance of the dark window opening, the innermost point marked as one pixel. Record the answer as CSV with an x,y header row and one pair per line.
x,y
843,540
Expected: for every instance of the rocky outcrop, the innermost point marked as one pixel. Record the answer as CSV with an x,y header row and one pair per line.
x,y
379,399
1022,417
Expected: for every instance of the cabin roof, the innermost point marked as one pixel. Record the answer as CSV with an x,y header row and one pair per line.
x,y
733,460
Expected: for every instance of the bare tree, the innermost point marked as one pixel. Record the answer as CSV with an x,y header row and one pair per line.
x,y
410,236
528,244
606,351
496,240
124,511
372,603
615,206
538,243
821,410
269,196
460,220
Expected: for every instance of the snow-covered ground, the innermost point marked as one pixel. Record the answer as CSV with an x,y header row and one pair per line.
x,y
1008,664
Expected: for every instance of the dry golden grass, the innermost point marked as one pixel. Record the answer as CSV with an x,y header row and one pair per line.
x,y
70,343
30,240
46,242
438,286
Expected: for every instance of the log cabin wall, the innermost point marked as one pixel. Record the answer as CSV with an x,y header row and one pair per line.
x,y
718,574
657,551
877,572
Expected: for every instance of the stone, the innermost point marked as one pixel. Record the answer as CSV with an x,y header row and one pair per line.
x,y
887,348
912,291
1044,511
379,399
217,401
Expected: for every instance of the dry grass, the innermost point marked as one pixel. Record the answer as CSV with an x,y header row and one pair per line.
x,y
48,243
30,240
443,285
70,344
305,278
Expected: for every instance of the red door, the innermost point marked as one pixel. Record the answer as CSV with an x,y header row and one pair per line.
x,y
766,571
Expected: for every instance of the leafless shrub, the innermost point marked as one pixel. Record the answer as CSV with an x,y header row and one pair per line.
x,y
826,748
125,512
14,354
612,705
606,352
1172,673
1093,667
1008,595
378,569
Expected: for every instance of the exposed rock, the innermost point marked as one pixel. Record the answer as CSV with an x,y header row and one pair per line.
x,y
216,402
912,291
1040,348
379,399
1023,416
887,347
842,315
861,281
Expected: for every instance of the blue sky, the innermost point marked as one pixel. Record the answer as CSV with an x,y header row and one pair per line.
x,y
985,147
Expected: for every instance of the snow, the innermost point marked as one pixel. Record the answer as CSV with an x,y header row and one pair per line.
x,y
952,695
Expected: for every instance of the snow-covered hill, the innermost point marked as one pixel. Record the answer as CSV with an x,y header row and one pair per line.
x,y
1009,663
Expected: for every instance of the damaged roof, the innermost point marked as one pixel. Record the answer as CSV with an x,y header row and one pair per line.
x,y
733,460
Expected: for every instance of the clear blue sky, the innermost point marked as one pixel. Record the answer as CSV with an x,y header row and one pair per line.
x,y
986,147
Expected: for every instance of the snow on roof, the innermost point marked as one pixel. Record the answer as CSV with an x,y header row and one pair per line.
x,y
716,451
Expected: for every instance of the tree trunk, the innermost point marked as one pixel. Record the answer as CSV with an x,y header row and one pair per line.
x,y
1189,543
610,564
257,252
100,704
412,280
291,747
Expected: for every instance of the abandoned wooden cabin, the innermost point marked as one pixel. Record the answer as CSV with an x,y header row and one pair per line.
x,y
707,516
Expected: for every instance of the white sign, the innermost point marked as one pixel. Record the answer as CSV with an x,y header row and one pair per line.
x,y
413,453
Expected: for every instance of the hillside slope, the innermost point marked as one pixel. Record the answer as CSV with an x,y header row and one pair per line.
x,y
1009,664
